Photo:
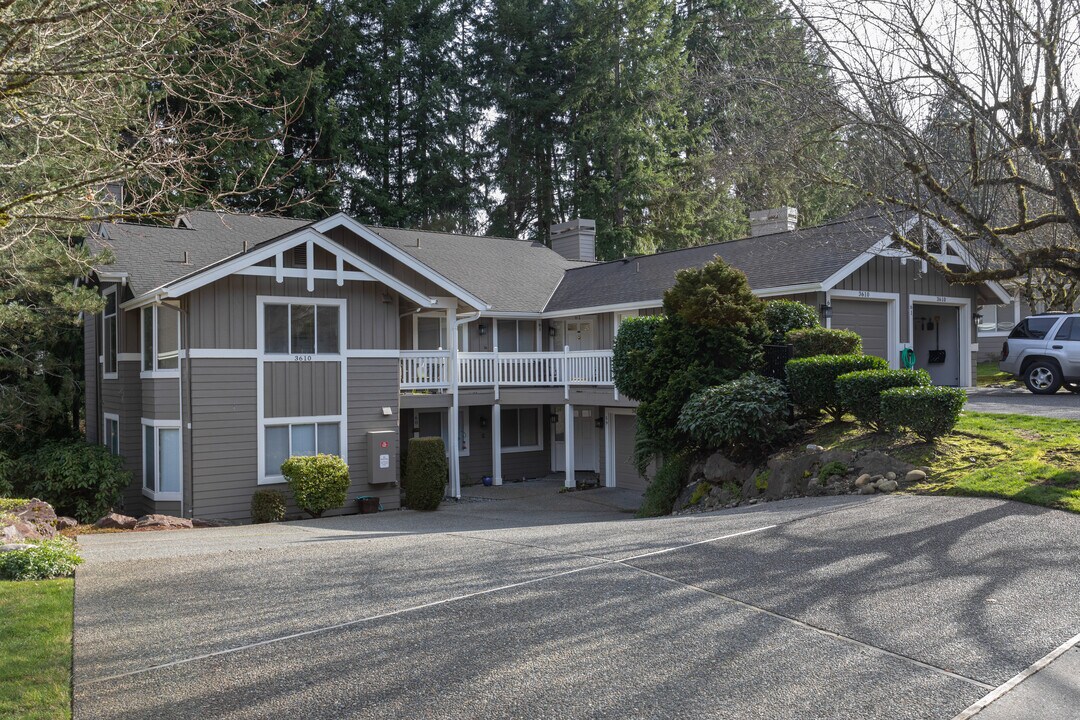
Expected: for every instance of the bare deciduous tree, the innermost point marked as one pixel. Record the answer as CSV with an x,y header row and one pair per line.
x,y
1002,78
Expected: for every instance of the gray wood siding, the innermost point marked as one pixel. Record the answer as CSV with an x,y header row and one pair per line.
x,y
161,398
123,396
224,457
293,389
224,313
91,379
373,385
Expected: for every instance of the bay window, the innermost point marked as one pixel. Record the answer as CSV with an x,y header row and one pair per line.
x,y
520,429
300,439
161,459
160,339
301,329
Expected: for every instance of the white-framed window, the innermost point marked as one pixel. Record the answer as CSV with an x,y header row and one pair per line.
x,y
160,338
435,423
999,319
521,429
300,438
302,328
429,333
110,432
517,336
109,336
162,465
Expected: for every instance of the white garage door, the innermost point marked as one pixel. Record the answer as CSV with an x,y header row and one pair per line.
x,y
868,318
625,474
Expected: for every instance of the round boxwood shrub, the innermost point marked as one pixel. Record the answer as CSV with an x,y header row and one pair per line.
x,y
318,482
824,341
860,392
783,316
46,559
78,479
743,418
267,506
928,411
426,473
812,380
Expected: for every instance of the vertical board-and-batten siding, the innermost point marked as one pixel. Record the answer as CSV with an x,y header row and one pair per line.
x,y
295,389
91,378
372,385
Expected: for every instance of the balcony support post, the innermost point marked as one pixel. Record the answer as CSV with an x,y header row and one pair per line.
x,y
496,444
454,432
568,445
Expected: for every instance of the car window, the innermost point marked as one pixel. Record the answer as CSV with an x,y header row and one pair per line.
x,y
1035,328
1065,330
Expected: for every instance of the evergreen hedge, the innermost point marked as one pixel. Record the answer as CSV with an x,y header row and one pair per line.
x,y
860,392
812,380
929,412
783,316
267,506
824,341
318,482
426,473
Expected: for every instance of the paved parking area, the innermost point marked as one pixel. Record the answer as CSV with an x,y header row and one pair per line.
x,y
557,606
1062,404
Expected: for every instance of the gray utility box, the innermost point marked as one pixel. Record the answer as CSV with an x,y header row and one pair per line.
x,y
382,456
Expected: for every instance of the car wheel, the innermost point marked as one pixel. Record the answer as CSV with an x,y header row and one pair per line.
x,y
1042,378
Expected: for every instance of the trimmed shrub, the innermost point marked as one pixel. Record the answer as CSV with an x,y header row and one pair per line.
x,y
318,482
783,316
46,559
860,391
824,341
663,491
743,418
78,479
267,506
426,474
928,411
812,380
631,362
832,468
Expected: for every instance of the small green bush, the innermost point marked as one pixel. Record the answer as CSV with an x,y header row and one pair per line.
x,y
812,380
663,491
426,474
631,362
78,479
783,316
832,468
267,506
929,412
824,341
318,482
743,418
860,391
46,559
700,492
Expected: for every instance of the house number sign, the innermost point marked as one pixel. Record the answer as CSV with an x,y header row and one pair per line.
x,y
302,358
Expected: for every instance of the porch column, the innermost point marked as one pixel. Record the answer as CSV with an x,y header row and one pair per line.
x,y
568,444
496,444
453,431
609,449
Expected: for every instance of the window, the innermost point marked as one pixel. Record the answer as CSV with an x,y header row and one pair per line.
x,y
1070,330
434,423
301,329
300,440
520,429
517,336
160,338
430,333
997,318
109,339
161,460
110,433
1034,328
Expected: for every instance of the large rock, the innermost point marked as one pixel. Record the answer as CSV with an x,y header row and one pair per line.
x,y
915,476
886,485
790,475
718,470
116,521
844,457
38,512
64,522
15,531
162,522
12,547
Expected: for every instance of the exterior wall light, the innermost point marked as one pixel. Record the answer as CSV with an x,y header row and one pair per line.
x,y
826,311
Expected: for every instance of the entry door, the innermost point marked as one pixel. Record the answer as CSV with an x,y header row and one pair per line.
x,y
586,440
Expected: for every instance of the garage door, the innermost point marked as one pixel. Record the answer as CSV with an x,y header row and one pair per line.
x,y
866,317
625,474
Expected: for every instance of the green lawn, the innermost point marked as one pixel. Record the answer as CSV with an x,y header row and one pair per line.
x,y
987,373
35,649
1033,460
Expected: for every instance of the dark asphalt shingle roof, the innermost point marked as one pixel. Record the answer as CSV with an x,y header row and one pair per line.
x,y
510,275
803,256
152,255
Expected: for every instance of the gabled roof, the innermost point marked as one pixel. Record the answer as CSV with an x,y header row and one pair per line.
x,y
808,256
152,255
511,275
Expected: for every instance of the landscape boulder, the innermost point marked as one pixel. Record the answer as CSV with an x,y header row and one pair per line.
x,y
886,485
12,547
158,521
15,531
64,522
915,476
718,470
37,512
116,521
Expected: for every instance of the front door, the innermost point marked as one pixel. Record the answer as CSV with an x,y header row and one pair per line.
x,y
586,440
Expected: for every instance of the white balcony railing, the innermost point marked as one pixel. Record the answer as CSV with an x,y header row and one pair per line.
x,y
428,369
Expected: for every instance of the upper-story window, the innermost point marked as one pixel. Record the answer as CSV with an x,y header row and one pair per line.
x,y
517,336
160,338
302,329
109,338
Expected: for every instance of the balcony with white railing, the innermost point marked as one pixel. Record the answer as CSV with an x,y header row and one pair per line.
x,y
429,369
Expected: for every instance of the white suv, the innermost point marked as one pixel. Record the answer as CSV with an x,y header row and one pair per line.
x,y
1044,351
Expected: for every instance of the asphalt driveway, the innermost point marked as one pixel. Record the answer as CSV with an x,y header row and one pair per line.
x,y
549,605
1063,404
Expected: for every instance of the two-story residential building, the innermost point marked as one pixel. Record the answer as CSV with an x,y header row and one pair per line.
x,y
230,342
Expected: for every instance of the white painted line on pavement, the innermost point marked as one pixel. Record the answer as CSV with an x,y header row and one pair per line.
x,y
402,611
982,703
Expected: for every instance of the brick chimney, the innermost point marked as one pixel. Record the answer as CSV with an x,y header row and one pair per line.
x,y
575,239
776,220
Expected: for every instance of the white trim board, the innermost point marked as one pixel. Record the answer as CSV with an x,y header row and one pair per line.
x,y
160,424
